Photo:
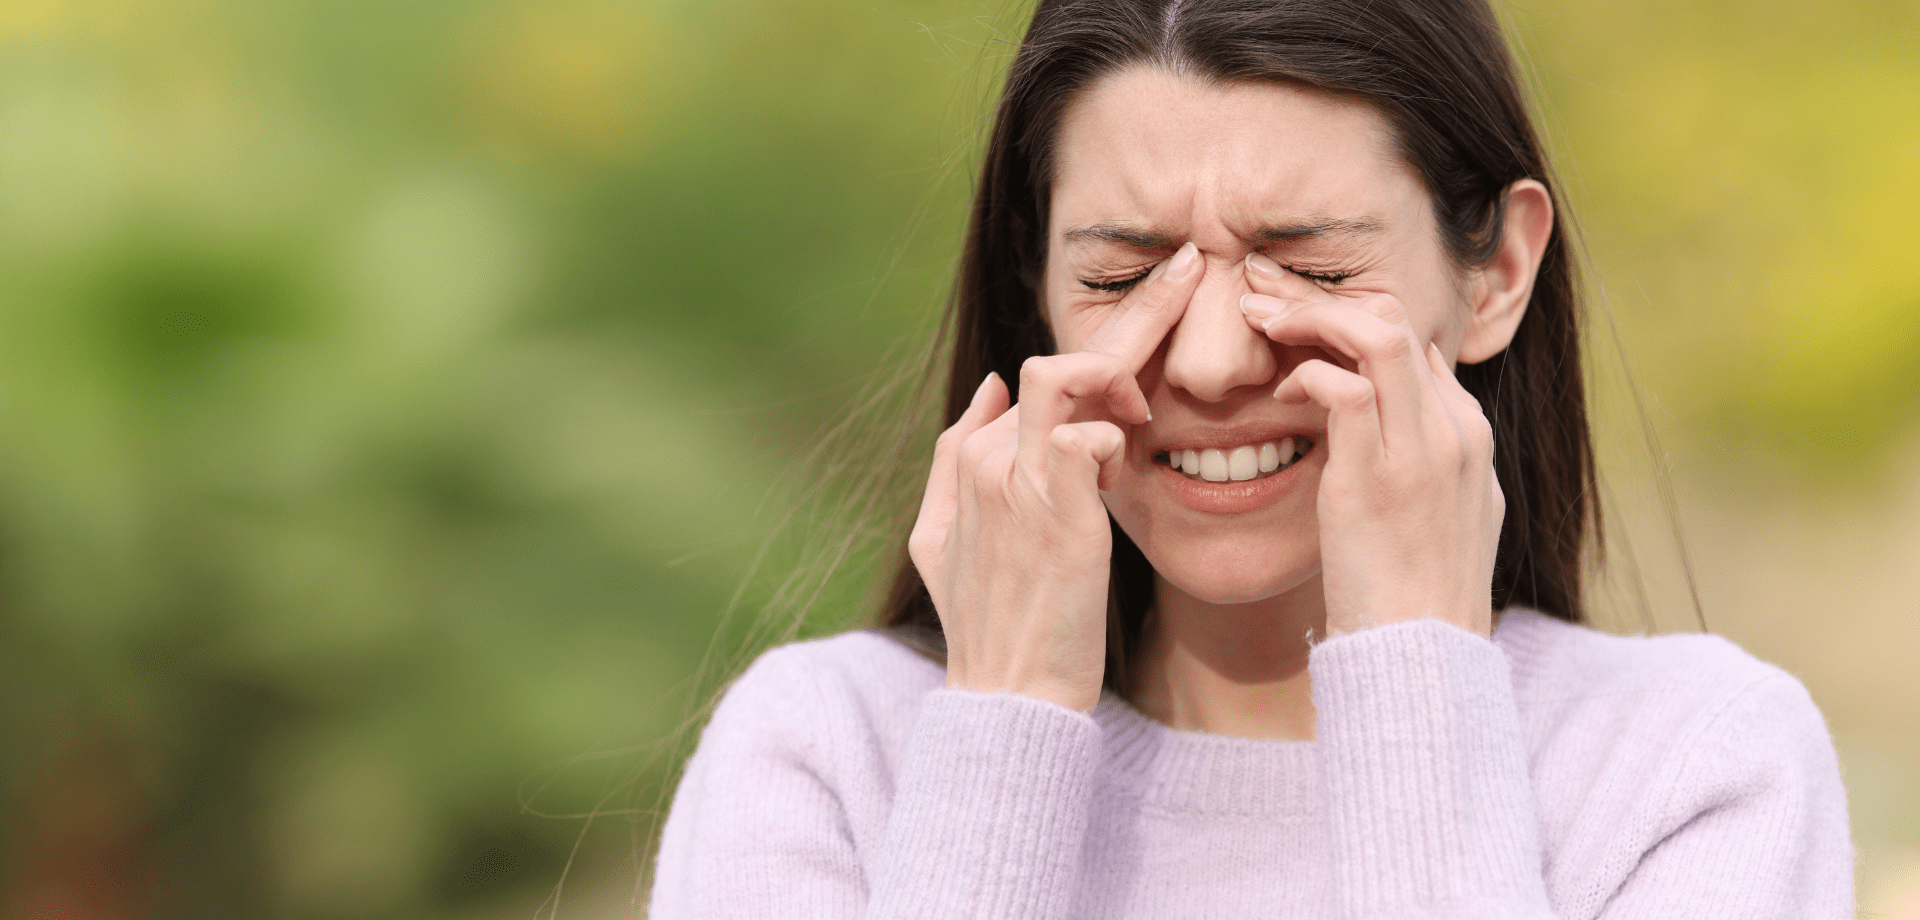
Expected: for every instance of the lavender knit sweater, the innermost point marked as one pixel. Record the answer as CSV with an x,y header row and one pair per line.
x,y
1555,771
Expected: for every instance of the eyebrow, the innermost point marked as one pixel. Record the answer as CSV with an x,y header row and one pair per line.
x,y
1129,235
1318,227
1116,232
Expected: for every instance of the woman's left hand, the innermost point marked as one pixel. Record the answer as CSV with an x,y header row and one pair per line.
x,y
1409,506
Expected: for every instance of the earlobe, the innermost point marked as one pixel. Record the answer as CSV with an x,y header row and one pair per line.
x,y
1505,284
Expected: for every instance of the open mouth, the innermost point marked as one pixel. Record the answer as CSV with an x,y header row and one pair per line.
x,y
1237,464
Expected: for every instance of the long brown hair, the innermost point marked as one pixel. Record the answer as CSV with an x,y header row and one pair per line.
x,y
1440,73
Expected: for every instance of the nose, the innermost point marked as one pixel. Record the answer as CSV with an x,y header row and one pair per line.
x,y
1213,350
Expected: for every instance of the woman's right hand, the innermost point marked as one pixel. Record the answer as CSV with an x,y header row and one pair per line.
x,y
1012,539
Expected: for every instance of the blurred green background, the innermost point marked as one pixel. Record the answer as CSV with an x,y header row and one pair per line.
x,y
394,397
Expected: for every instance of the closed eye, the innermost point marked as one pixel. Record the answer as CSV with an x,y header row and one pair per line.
x,y
1322,278
1122,284
1117,285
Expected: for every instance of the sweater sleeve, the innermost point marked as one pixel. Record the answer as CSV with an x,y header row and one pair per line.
x,y
1754,822
1429,806
987,820
1432,813
991,812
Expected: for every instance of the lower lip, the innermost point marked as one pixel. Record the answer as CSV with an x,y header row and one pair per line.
x,y
1234,497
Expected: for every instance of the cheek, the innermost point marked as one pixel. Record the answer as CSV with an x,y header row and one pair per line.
x,y
1437,302
1072,334
1074,323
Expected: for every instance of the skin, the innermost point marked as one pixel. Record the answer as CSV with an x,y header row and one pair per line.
x,y
1241,205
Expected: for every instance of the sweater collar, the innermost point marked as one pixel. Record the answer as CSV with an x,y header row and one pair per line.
x,y
1194,772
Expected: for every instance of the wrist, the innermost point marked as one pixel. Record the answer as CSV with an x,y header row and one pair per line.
x,y
1476,619
1078,699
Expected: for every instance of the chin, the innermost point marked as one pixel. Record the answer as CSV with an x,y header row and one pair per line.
x,y
1240,558
1232,567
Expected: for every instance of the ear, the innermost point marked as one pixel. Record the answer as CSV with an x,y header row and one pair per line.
x,y
1503,286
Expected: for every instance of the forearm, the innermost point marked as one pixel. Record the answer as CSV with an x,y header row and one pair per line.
x,y
991,810
1430,808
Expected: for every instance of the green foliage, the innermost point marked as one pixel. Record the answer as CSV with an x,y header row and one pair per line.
x,y
394,395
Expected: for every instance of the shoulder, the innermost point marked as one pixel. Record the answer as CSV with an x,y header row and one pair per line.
x,y
1557,664
864,668
836,701
1693,714
1682,745
791,779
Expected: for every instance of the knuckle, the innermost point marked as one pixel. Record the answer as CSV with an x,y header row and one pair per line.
x,y
1387,307
949,440
990,475
975,449
920,549
1067,439
986,487
1480,435
1036,370
1390,343
1479,408
1359,392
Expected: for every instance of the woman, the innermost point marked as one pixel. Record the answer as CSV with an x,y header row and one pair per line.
x,y
1261,597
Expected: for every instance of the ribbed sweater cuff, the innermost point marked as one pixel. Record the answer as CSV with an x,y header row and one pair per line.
x,y
991,809
1430,804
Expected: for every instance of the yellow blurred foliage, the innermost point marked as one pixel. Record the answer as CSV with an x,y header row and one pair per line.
x,y
568,79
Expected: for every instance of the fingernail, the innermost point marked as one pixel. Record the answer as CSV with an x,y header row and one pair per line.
x,y
1263,266
1153,276
982,388
1260,305
1184,257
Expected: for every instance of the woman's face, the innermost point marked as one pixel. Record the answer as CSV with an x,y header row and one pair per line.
x,y
1148,160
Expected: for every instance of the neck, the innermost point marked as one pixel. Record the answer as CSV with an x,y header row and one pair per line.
x,y
1230,669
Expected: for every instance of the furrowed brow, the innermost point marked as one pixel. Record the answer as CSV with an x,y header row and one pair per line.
x,y
1114,232
1317,228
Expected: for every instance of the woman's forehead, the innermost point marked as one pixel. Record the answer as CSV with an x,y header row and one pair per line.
x,y
1173,153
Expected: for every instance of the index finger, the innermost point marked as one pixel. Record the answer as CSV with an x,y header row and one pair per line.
x,y
943,480
1146,314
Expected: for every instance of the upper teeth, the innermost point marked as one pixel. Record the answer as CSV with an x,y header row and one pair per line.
x,y
1250,461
